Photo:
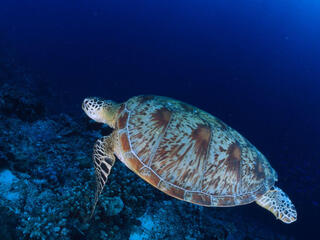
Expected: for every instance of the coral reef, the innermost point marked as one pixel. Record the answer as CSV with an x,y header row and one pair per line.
x,y
20,103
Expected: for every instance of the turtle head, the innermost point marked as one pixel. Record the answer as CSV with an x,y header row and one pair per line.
x,y
103,111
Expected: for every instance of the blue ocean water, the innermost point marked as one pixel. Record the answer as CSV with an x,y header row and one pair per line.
x,y
253,64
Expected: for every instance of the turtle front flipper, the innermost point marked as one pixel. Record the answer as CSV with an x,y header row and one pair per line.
x,y
103,158
277,202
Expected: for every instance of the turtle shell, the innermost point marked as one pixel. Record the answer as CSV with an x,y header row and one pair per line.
x,y
189,154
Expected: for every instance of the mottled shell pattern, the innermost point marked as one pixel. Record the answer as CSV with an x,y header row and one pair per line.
x,y
189,154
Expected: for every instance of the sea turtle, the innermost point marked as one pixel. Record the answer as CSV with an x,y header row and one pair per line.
x,y
186,153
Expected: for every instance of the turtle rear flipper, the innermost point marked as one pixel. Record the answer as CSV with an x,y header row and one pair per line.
x,y
277,202
103,158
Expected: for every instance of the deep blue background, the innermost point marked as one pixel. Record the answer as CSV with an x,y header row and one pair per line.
x,y
254,64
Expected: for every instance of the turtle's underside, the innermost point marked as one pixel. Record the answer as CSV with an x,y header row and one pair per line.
x,y
186,153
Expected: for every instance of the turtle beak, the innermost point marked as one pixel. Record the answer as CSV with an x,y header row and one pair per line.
x,y
94,108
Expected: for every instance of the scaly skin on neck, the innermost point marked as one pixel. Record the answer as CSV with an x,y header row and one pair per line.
x,y
110,114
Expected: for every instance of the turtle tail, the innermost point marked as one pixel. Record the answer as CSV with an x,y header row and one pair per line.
x,y
277,202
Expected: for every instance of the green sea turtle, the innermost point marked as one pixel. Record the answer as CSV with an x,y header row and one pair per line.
x,y
186,153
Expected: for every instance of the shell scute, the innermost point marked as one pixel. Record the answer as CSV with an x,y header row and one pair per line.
x,y
171,190
149,176
145,133
122,120
198,198
222,174
182,163
226,201
125,143
134,163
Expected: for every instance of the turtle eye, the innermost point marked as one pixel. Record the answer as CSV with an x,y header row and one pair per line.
x,y
108,103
